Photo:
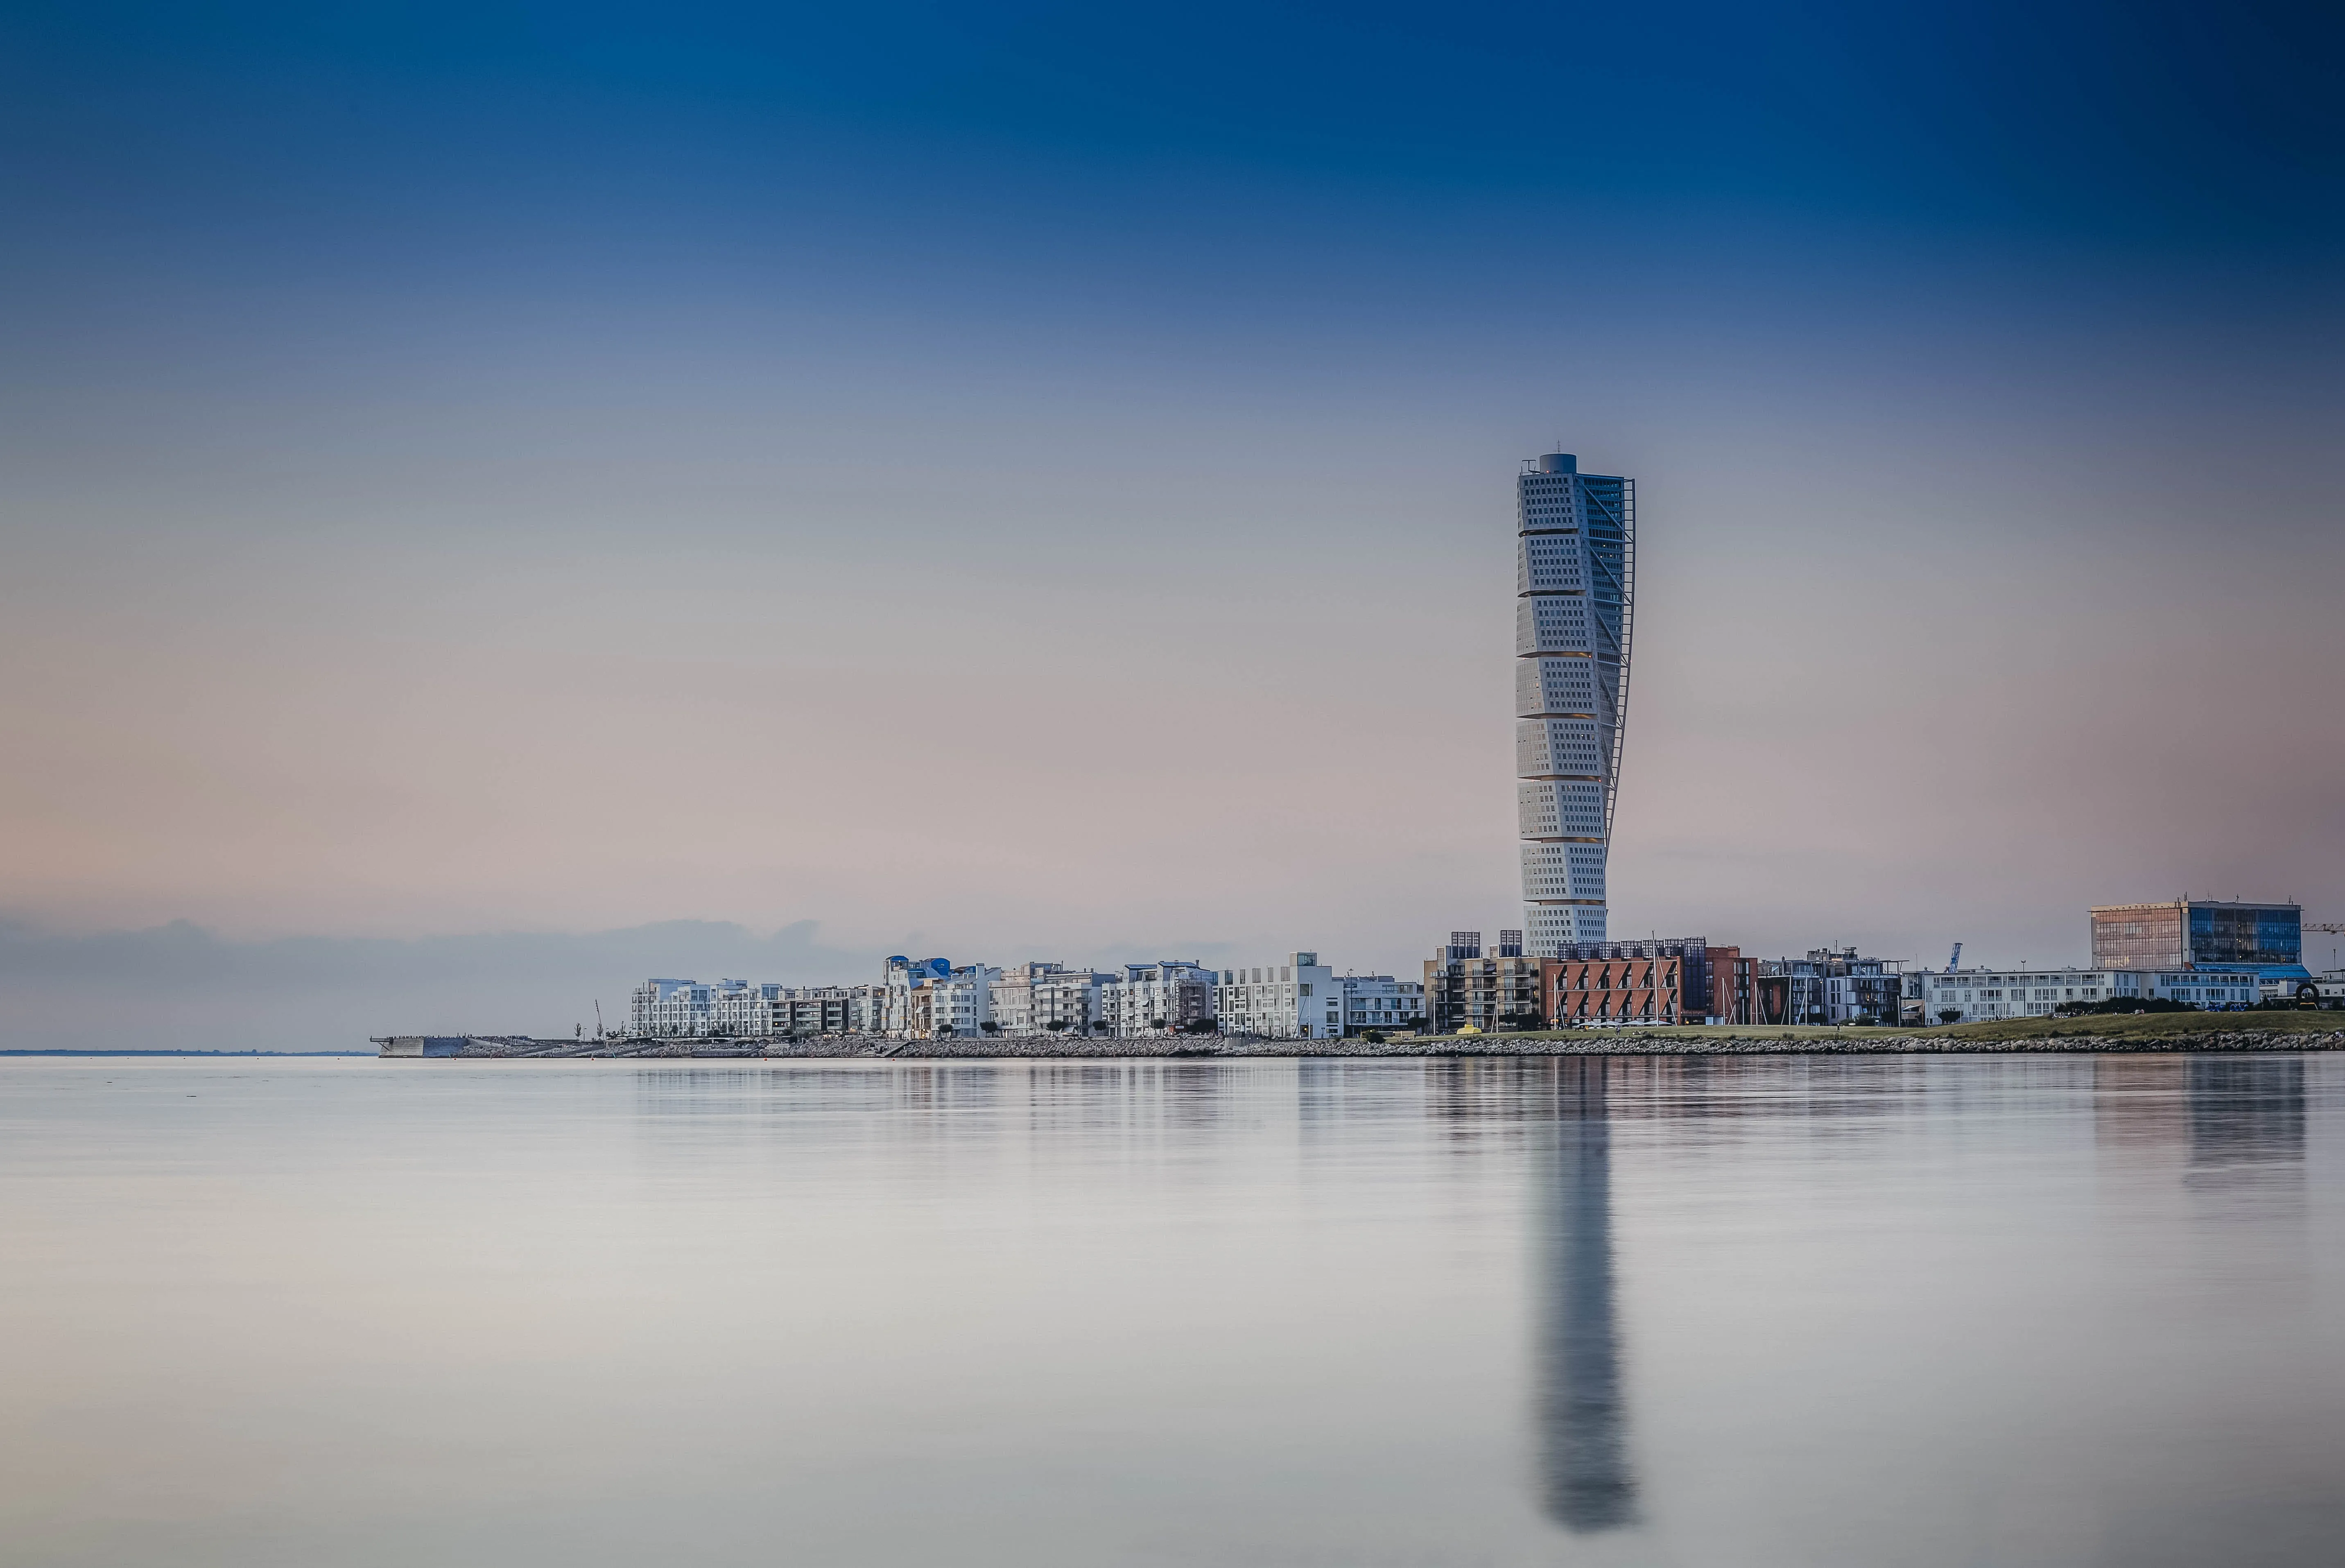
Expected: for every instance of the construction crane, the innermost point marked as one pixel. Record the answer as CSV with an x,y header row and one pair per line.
x,y
2332,928
1955,962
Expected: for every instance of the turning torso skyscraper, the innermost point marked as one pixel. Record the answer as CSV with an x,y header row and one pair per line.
x,y
1575,583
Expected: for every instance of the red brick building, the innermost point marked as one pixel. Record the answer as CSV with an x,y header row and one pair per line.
x,y
1608,989
1712,981
1733,987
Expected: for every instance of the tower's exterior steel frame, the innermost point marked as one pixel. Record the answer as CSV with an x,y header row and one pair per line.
x,y
1574,598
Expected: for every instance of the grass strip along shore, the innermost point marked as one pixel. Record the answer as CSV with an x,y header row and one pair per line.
x,y
2261,1031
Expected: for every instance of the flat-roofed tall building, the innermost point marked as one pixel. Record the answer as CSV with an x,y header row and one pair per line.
x,y
1506,989
2198,933
1575,589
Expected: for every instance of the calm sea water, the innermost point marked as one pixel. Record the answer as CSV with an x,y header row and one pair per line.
x,y
1766,1311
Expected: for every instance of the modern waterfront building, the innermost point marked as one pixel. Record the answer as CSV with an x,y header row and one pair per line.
x,y
1070,1001
962,1002
1506,988
1647,990
1713,981
1049,998
1972,994
2185,932
1299,999
1158,998
904,1008
928,997
675,1006
1575,591
1830,985
1731,982
824,1010
1381,1002
741,1009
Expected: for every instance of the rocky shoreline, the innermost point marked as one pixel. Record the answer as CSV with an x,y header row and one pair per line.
x,y
1606,1042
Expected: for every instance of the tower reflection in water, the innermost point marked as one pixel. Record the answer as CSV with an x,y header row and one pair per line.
x,y
1586,1483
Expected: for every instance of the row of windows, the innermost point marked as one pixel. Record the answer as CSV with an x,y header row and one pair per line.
x,y
2093,977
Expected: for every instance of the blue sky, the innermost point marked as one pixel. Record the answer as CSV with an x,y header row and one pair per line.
x,y
2159,128
1033,479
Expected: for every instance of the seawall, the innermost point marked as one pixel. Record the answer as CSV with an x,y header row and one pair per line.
x,y
1591,1042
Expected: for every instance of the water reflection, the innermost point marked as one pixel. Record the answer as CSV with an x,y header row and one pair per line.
x,y
2234,1123
2246,1109
1935,1312
1585,1482
1930,1189
1562,1108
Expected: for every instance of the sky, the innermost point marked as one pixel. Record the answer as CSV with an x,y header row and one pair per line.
x,y
497,499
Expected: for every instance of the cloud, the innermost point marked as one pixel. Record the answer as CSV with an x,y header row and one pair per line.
x,y
179,986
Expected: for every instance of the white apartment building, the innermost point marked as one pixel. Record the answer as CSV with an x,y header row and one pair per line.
x,y
1156,998
1979,993
1380,1002
864,1006
1048,999
2211,988
904,1008
1301,999
1013,997
743,1009
683,1007
926,997
816,1010
962,1002
1070,1001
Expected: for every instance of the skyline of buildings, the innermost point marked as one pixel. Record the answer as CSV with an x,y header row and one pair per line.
x,y
1465,985
547,555
1575,599
1300,998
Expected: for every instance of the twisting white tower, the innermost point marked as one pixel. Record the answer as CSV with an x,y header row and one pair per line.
x,y
1575,585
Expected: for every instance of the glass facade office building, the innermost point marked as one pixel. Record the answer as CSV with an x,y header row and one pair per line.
x,y
2200,934
1575,588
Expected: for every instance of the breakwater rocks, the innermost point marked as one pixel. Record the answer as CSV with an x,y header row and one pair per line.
x,y
1588,1042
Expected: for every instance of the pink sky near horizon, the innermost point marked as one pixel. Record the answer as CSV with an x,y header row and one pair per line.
x,y
1891,688
514,484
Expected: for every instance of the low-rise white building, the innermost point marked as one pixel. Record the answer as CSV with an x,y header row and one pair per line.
x,y
926,997
1048,999
678,1007
1381,1002
746,1010
821,1010
1160,998
1972,994
1301,999
1013,997
903,1006
962,1002
1070,1001
743,1009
